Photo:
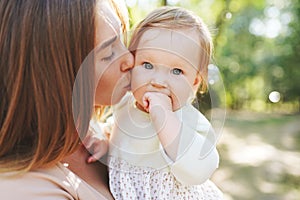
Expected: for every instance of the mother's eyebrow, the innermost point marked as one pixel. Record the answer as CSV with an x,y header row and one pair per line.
x,y
107,43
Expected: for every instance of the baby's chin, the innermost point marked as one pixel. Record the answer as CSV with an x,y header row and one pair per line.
x,y
176,105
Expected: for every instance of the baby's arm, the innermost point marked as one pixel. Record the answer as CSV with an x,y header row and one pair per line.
x,y
195,156
165,121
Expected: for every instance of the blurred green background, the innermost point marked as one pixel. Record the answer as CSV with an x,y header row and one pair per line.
x,y
257,57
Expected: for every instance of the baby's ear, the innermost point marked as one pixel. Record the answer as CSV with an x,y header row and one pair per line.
x,y
197,80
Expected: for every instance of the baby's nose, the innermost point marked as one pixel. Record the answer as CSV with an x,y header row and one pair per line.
x,y
158,84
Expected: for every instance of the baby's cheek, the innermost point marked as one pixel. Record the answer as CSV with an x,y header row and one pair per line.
x,y
139,95
181,97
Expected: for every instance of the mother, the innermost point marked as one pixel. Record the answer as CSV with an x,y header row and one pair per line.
x,y
42,46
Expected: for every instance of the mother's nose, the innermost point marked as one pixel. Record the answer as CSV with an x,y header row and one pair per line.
x,y
127,61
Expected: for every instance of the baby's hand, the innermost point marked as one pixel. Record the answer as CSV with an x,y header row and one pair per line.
x,y
153,99
96,141
157,104
97,146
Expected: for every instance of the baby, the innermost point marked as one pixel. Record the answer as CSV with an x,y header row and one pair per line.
x,y
161,147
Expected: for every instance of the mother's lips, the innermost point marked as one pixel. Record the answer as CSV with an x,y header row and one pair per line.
x,y
128,87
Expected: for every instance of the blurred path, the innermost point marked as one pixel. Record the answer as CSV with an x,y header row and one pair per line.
x,y
260,157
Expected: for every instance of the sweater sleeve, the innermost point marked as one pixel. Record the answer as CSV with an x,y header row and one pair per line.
x,y
197,156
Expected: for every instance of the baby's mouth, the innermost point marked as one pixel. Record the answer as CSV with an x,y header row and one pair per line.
x,y
160,90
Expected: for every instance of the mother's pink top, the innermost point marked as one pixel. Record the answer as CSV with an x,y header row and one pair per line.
x,y
55,183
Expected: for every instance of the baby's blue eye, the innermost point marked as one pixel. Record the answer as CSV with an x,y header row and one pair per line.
x,y
147,65
176,71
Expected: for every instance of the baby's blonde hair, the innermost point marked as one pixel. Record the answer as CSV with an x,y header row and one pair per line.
x,y
176,18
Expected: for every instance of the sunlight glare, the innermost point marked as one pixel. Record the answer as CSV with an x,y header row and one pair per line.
x,y
274,96
273,28
272,12
173,2
130,3
257,27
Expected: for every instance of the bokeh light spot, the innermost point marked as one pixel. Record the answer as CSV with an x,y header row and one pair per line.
x,y
274,96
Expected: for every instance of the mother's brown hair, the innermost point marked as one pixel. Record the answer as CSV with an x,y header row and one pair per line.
x,y
42,45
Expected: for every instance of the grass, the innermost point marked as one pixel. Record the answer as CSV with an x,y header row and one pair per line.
x,y
260,157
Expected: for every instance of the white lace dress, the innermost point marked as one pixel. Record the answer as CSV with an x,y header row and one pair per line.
x,y
139,168
129,182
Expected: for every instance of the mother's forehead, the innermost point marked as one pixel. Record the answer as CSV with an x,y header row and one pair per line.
x,y
108,16
108,24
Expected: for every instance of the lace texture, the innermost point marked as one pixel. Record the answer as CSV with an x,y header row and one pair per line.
x,y
128,182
